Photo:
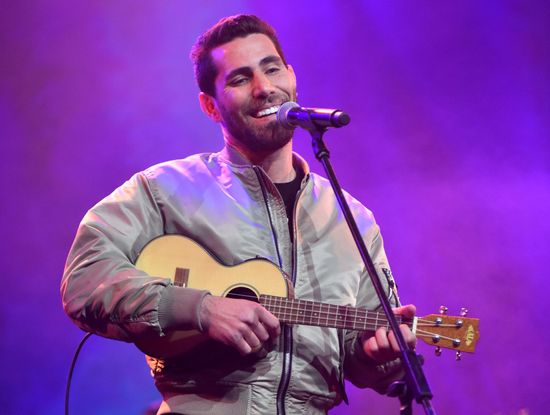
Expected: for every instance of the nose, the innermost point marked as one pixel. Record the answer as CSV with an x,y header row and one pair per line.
x,y
262,86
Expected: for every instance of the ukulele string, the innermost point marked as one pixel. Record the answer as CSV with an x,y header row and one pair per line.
x,y
375,321
423,333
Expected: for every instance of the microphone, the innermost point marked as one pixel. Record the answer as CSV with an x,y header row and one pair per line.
x,y
291,115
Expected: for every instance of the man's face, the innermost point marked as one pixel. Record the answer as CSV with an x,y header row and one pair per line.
x,y
251,84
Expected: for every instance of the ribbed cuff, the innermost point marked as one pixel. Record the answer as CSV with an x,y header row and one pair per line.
x,y
179,308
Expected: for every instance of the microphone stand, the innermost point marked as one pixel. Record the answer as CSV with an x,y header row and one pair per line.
x,y
416,386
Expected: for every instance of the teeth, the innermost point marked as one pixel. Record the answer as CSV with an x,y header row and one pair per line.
x,y
268,111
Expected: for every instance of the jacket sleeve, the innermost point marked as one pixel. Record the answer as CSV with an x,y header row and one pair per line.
x,y
359,369
102,291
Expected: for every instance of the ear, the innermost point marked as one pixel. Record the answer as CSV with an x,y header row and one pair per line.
x,y
209,106
292,77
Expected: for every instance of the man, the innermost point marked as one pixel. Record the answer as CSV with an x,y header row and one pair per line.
x,y
256,198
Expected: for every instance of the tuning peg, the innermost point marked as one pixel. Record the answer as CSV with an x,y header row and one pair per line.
x,y
458,355
463,311
443,309
438,351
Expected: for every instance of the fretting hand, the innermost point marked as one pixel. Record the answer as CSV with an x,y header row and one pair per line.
x,y
382,346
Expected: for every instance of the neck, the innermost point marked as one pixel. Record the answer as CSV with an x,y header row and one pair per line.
x,y
277,164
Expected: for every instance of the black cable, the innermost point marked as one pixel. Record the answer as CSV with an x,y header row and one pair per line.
x,y
71,369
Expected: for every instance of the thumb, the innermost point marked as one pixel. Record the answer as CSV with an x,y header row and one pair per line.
x,y
407,311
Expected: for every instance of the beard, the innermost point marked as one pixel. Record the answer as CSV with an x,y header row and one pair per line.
x,y
264,138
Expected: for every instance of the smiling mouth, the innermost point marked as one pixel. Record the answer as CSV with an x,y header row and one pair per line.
x,y
268,111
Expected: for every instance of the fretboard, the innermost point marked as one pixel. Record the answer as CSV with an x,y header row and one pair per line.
x,y
311,313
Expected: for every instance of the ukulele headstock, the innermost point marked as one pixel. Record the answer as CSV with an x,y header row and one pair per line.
x,y
459,333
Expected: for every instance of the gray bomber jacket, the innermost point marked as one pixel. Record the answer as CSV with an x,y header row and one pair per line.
x,y
234,210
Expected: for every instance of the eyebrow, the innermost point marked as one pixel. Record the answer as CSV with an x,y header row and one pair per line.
x,y
246,70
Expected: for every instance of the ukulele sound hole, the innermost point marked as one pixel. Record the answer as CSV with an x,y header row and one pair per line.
x,y
243,293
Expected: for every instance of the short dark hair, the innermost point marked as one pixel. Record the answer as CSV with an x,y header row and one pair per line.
x,y
223,32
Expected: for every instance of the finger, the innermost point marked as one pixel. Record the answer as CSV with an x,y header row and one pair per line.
x,y
260,332
395,352
373,349
407,311
393,343
270,323
381,336
252,341
385,351
408,336
370,347
238,342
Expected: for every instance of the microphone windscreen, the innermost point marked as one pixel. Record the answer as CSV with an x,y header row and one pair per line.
x,y
282,114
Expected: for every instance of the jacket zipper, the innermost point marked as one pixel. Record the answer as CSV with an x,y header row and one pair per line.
x,y
288,339
287,330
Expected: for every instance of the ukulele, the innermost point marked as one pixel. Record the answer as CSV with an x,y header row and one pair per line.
x,y
190,265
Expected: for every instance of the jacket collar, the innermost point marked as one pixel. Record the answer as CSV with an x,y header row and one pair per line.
x,y
233,157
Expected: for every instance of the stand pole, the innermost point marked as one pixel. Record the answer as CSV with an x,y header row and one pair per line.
x,y
416,386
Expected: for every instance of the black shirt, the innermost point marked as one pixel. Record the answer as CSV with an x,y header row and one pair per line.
x,y
289,191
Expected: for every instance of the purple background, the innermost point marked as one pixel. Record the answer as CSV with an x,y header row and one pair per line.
x,y
449,145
